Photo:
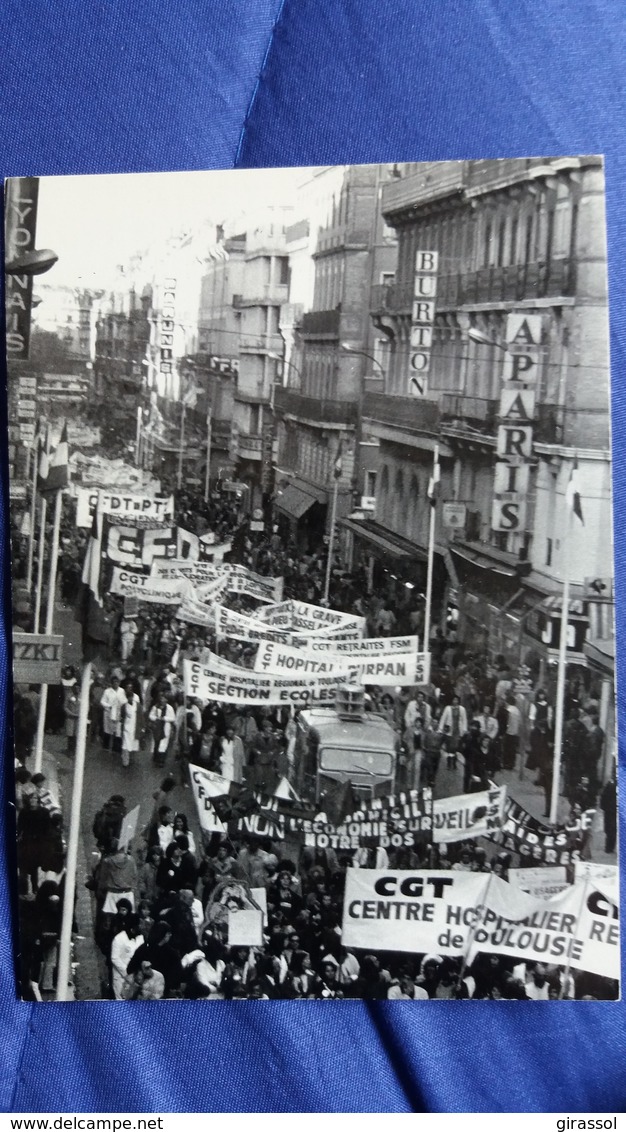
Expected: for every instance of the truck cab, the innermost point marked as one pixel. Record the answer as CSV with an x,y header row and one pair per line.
x,y
345,744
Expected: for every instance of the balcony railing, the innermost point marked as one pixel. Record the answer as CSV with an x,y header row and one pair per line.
x,y
249,447
321,323
391,298
289,402
405,413
478,412
269,293
434,180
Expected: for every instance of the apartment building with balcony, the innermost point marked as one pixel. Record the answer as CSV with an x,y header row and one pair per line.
x,y
264,290
521,250
352,251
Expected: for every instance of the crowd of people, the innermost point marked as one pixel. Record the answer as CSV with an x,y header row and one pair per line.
x,y
162,902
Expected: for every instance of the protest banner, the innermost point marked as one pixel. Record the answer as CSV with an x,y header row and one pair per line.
x,y
263,589
399,669
204,786
137,547
233,578
194,614
604,875
540,882
464,816
369,645
229,623
128,828
245,687
126,583
578,927
550,845
301,617
124,507
419,911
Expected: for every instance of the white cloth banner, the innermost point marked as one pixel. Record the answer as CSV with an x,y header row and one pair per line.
x,y
300,616
398,668
244,687
464,816
144,588
579,926
124,507
419,911
206,785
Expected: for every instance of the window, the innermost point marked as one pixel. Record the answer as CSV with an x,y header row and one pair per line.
x,y
387,277
513,242
501,238
549,549
487,247
283,270
370,483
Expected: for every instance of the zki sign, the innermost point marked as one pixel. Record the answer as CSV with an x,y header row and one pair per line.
x,y
21,223
516,416
422,320
37,659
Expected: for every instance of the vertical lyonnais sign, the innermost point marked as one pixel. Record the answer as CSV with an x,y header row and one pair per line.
x,y
422,320
20,231
515,429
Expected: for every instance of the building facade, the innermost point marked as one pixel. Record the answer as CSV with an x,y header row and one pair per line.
x,y
334,359
497,324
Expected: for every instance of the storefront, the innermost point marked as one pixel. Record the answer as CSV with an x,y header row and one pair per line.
x,y
301,512
485,608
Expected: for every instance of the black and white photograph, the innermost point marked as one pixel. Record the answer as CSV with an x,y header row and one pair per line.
x,y
313,583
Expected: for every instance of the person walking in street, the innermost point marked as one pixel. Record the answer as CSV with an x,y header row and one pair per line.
x,y
111,703
511,736
131,724
453,716
162,722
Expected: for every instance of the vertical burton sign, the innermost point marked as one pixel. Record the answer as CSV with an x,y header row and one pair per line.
x,y
20,230
515,428
422,320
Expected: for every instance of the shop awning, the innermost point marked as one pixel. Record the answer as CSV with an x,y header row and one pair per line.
x,y
294,502
483,561
396,547
602,654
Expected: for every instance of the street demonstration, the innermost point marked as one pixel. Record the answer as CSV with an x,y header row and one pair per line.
x,y
283,800
313,584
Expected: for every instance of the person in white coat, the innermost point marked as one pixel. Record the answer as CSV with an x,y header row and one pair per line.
x,y
123,947
131,724
111,703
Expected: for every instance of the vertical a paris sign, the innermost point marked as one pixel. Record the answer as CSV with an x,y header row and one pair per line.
x,y
515,429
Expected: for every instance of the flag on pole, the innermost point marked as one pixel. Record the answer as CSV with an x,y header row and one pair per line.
x,y
58,467
43,460
434,484
572,493
95,623
338,465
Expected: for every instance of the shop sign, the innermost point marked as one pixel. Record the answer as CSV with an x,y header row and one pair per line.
x,y
514,446
454,515
166,326
422,320
21,224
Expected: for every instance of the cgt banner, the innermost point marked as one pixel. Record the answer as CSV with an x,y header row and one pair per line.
x,y
579,926
231,578
400,669
245,687
357,650
416,911
468,815
126,583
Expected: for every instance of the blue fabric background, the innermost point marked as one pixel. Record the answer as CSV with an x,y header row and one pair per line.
x,y
104,87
